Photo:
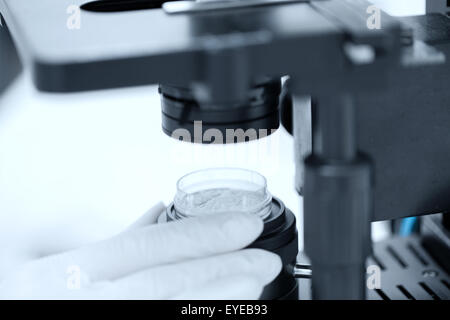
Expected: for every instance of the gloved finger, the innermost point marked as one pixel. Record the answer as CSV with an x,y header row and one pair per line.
x,y
235,287
150,217
165,243
167,281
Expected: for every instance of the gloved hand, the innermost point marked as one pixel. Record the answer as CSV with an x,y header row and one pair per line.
x,y
196,258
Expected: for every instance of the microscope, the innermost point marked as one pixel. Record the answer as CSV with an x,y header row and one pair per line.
x,y
364,94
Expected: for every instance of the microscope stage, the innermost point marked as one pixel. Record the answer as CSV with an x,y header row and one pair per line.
x,y
112,49
136,47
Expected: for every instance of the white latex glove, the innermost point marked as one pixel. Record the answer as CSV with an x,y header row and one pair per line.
x,y
197,258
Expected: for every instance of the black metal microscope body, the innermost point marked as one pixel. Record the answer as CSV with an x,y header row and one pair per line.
x,y
370,104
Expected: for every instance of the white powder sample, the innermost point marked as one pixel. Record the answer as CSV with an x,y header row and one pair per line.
x,y
221,200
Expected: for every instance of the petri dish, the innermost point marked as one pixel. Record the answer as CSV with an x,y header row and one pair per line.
x,y
222,190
